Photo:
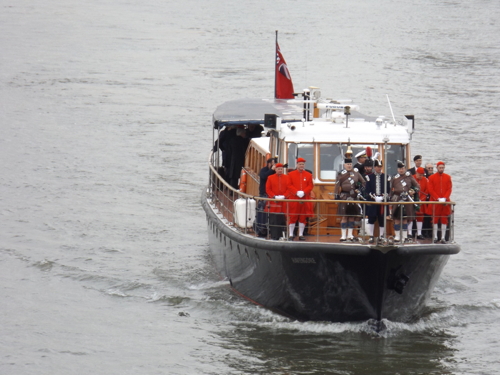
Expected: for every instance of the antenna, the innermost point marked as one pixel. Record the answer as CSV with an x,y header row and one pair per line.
x,y
388,100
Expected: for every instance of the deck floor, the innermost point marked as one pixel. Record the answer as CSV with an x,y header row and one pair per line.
x,y
336,239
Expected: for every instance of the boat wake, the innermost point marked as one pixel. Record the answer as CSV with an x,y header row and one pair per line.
x,y
258,317
209,285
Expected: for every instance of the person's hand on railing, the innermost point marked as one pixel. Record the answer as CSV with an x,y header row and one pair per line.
x,y
442,199
279,197
300,194
379,199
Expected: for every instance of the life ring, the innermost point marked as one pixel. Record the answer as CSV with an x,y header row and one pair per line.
x,y
243,181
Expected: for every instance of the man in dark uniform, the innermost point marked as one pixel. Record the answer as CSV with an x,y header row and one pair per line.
x,y
403,187
368,167
262,215
222,143
347,188
360,165
375,191
417,160
265,172
236,150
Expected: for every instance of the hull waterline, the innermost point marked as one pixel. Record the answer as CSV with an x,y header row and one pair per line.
x,y
327,282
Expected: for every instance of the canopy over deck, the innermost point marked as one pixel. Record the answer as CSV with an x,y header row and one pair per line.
x,y
252,111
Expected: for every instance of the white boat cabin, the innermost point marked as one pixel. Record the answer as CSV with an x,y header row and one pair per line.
x,y
318,130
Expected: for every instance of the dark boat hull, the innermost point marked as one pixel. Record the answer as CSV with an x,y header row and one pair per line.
x,y
328,282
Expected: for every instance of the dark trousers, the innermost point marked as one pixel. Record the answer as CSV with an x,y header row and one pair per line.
x,y
261,219
427,226
373,219
277,225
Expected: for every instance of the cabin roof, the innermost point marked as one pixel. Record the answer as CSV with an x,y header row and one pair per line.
x,y
330,127
252,111
359,131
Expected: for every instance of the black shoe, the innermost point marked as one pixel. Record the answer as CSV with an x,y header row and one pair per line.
x,y
435,240
343,240
420,237
371,240
302,238
443,241
290,239
351,239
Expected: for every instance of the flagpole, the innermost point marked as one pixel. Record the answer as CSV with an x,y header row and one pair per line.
x,y
275,54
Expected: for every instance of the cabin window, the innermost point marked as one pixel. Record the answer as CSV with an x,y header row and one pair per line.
x,y
330,161
394,153
302,150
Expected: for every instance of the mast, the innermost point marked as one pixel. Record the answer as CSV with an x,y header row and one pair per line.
x,y
274,66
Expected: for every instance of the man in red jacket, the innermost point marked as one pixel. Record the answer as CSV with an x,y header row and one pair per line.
x,y
440,187
301,185
277,188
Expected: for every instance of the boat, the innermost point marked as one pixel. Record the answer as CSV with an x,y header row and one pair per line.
x,y
320,278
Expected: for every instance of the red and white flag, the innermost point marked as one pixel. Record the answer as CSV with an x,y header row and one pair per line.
x,y
283,80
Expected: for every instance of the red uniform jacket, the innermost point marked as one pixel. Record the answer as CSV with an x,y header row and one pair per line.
x,y
440,187
277,185
300,181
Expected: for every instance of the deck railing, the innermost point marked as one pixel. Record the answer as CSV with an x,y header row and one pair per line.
x,y
323,226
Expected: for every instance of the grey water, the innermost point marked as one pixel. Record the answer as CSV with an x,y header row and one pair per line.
x,y
105,110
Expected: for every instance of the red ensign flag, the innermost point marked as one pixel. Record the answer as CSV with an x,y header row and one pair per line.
x,y
284,84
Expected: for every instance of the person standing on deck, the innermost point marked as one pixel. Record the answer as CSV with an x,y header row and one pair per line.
x,y
429,170
440,187
301,185
236,150
222,143
368,165
424,196
403,187
360,165
347,188
264,174
375,191
262,216
277,187
418,163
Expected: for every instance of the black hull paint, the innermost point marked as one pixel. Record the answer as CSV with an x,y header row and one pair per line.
x,y
328,282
